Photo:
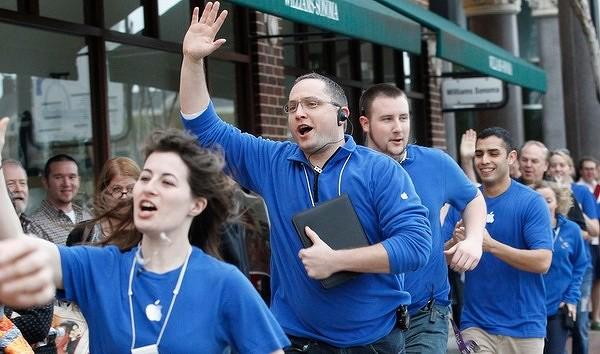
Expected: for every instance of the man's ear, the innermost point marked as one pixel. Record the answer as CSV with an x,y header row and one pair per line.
x,y
198,205
512,157
45,182
364,123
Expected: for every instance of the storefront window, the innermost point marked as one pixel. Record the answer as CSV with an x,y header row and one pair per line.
x,y
48,102
143,92
143,86
389,72
174,19
289,49
125,16
407,68
342,60
366,62
66,10
222,85
8,4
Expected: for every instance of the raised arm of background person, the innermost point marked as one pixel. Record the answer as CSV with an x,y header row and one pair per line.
x,y
26,264
467,152
467,253
404,234
199,42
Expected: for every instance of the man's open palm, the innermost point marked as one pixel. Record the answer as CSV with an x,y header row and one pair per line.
x,y
199,40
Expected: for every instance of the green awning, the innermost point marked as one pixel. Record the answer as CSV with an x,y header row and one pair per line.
x,y
462,47
366,20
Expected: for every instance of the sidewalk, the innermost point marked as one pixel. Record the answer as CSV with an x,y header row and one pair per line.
x,y
594,342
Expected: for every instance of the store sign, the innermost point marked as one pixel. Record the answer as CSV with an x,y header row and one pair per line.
x,y
323,8
473,92
500,65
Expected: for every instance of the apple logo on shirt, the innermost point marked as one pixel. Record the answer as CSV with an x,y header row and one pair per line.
x,y
404,196
489,218
154,311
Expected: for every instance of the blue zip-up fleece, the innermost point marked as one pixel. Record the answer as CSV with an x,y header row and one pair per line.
x,y
569,263
361,310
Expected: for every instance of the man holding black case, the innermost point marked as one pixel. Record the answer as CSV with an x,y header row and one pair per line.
x,y
359,315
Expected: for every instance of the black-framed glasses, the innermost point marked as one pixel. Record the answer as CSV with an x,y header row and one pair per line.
x,y
308,103
118,192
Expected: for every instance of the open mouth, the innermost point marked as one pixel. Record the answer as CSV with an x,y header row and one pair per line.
x,y
303,129
147,206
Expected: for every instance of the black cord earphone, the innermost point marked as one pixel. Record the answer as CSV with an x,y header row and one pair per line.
x,y
341,116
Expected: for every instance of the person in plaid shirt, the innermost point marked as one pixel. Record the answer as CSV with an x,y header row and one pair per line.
x,y
57,214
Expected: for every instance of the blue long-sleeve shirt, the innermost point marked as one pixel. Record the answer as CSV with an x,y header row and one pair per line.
x,y
569,263
361,310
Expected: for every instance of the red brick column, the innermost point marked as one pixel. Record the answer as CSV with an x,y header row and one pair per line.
x,y
268,81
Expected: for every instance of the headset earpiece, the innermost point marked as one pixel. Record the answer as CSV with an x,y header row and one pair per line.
x,y
341,116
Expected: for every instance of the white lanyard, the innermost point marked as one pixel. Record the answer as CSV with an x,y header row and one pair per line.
x,y
555,236
175,292
312,201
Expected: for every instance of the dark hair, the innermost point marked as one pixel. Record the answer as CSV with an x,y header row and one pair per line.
x,y
586,159
331,87
206,179
370,94
57,158
498,132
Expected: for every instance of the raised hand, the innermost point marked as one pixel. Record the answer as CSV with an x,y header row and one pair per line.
x,y
26,279
199,41
467,144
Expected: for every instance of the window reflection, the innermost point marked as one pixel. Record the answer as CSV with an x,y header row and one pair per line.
x,y
48,102
342,60
406,66
366,62
222,84
8,4
66,10
125,16
143,95
389,72
174,19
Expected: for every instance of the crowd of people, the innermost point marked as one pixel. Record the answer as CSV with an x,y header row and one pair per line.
x,y
144,267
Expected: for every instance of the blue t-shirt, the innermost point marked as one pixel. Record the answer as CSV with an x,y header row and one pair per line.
x,y
499,298
569,263
216,306
362,310
585,198
438,180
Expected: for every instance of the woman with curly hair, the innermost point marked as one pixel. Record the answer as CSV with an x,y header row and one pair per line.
x,y
149,289
569,263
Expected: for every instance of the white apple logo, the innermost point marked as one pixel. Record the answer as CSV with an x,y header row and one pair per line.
x,y
404,196
490,218
154,311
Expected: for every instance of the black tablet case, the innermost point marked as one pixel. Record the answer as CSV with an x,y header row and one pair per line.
x,y
336,223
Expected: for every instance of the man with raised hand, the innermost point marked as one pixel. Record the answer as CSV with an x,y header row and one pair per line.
x,y
504,307
320,165
385,119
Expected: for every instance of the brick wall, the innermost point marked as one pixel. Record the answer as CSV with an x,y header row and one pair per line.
x,y
437,128
268,82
